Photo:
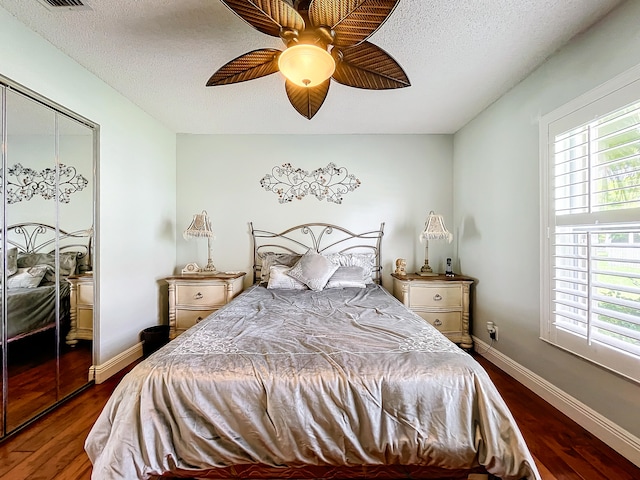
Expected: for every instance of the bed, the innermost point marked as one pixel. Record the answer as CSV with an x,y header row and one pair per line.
x,y
285,381
32,289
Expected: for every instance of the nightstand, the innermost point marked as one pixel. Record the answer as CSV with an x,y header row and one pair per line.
x,y
81,308
440,300
194,297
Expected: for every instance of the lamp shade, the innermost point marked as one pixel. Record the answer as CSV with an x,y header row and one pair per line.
x,y
434,228
306,65
200,226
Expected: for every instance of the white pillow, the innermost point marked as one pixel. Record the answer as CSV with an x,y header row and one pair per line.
x,y
28,277
346,277
314,270
271,258
365,260
278,278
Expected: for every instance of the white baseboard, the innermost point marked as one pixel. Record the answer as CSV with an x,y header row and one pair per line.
x,y
622,441
102,372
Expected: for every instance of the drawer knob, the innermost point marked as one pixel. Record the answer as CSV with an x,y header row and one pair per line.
x,y
198,296
437,297
199,319
438,322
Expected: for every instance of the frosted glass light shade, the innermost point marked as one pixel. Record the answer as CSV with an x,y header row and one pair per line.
x,y
306,65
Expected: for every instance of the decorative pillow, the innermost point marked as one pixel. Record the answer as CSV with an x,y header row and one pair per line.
x,y
12,261
347,277
365,260
270,258
314,270
28,277
278,278
67,262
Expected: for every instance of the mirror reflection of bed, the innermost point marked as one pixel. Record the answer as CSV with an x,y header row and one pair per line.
x,y
45,359
46,233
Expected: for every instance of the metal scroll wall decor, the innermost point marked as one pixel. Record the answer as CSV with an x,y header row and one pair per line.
x,y
23,183
289,183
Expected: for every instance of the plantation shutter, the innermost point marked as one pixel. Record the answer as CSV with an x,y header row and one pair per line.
x,y
595,235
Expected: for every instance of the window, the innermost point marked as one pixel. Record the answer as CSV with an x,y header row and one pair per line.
x,y
590,219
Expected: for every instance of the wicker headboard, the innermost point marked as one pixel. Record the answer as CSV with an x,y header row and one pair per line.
x,y
320,238
32,237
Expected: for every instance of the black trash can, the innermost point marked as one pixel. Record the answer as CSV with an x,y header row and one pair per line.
x,y
153,338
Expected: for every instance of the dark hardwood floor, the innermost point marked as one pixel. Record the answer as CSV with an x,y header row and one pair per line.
x,y
31,374
563,450
52,447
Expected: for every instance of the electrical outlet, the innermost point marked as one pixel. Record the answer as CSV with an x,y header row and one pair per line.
x,y
492,328
494,334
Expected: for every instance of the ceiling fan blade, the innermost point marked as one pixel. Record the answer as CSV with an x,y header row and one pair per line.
x,y
368,66
353,20
267,16
307,100
255,64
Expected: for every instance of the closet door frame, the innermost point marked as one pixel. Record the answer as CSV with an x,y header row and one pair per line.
x,y
7,85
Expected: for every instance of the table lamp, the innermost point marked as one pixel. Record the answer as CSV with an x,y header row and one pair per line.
x,y
201,227
434,229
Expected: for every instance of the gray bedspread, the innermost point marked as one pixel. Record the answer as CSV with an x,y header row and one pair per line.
x,y
281,377
31,310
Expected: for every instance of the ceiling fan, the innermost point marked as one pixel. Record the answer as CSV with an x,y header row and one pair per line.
x,y
325,39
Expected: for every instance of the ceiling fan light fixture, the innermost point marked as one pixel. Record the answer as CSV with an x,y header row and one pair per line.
x,y
326,40
306,65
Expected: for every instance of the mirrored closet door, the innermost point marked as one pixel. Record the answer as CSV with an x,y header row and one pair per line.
x,y
47,239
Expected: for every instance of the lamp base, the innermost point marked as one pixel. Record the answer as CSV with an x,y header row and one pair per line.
x,y
209,268
426,270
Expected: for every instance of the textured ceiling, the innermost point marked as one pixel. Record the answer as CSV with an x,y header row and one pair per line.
x,y
459,55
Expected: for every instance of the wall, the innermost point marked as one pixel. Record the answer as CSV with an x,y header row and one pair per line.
x,y
496,185
136,184
403,177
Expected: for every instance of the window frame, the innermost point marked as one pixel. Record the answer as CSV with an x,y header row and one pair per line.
x,y
599,102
